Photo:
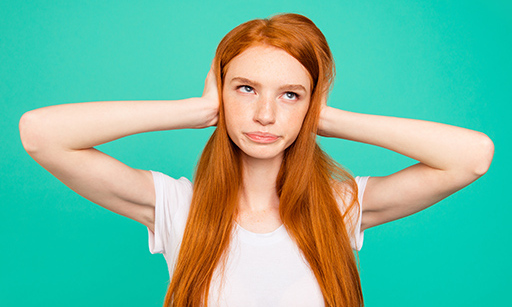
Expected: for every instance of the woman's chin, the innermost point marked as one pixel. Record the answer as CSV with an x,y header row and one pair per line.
x,y
263,153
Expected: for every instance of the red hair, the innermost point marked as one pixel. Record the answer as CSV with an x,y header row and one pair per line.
x,y
310,184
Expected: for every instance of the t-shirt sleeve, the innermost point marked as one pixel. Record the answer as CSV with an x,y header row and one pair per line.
x,y
358,237
172,199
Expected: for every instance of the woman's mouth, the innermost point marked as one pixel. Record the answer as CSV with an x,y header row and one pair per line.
x,y
261,137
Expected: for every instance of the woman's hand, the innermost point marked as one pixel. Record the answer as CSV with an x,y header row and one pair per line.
x,y
323,123
210,99
62,138
449,159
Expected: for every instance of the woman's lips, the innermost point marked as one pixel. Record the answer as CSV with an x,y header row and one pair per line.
x,y
261,137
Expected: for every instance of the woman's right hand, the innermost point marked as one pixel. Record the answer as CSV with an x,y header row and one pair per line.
x,y
62,138
210,99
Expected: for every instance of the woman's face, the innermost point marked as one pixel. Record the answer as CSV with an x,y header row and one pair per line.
x,y
266,96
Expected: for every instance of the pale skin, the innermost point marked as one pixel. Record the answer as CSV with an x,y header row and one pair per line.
x,y
263,115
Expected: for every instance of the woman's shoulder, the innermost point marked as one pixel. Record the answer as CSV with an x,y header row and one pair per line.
x,y
164,182
349,193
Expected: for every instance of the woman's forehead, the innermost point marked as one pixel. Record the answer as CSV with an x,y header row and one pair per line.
x,y
267,65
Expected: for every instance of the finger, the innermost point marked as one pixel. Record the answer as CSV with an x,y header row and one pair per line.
x,y
212,65
324,99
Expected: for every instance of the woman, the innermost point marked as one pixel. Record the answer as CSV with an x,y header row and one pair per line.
x,y
270,219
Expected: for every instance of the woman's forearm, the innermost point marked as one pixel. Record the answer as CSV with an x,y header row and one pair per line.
x,y
437,145
85,125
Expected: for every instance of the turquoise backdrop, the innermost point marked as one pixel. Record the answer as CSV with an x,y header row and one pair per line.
x,y
445,61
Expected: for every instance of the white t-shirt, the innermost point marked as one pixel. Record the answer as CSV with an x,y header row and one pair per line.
x,y
261,270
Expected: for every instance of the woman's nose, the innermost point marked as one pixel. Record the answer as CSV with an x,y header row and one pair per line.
x,y
265,111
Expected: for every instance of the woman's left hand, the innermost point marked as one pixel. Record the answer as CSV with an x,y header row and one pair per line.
x,y
449,159
323,123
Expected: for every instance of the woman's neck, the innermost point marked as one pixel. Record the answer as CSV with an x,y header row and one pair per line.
x,y
259,184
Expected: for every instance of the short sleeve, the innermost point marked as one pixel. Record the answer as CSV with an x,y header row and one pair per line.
x,y
172,201
357,239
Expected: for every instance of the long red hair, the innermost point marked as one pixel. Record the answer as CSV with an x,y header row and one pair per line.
x,y
312,187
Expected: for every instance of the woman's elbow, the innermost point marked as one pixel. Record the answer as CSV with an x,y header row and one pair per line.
x,y
30,132
484,155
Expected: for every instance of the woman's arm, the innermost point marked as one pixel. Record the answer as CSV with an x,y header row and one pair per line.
x,y
449,158
61,139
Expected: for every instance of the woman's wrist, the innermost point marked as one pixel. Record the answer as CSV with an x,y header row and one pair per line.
x,y
327,122
205,112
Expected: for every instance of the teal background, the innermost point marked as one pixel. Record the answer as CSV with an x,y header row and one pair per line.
x,y
434,60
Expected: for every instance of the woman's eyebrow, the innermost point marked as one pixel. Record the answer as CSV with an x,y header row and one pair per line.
x,y
293,87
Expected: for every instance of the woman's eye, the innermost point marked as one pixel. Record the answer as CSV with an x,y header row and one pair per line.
x,y
245,88
291,95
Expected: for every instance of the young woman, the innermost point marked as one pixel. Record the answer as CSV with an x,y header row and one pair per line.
x,y
270,220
